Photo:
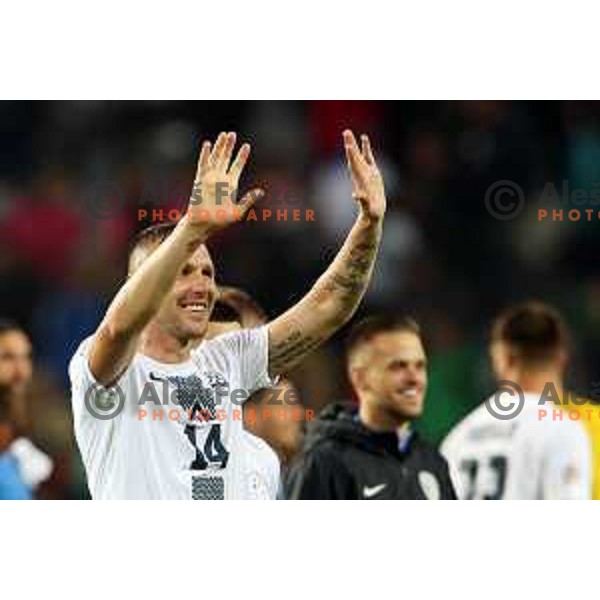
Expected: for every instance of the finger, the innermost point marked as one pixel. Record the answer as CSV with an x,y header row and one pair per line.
x,y
218,148
353,154
351,167
240,161
204,156
228,150
354,164
249,199
350,141
366,149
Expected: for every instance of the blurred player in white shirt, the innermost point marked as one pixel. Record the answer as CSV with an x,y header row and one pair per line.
x,y
280,424
155,333
520,453
268,438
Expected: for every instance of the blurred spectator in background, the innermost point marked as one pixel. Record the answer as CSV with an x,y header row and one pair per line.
x,y
12,482
25,466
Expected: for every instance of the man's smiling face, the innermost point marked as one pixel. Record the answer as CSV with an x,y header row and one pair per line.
x,y
185,311
393,373
15,361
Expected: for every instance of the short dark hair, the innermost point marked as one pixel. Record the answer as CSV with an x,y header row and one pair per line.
x,y
7,325
534,331
366,329
155,234
223,313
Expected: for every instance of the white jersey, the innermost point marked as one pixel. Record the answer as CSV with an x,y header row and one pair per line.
x,y
260,467
176,430
528,457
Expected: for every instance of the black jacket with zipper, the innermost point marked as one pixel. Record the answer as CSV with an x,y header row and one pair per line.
x,y
343,460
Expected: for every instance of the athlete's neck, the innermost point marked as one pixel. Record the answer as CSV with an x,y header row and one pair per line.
x,y
377,418
162,346
536,382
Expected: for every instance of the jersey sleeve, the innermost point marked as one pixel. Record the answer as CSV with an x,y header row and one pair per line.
x,y
81,379
449,450
566,474
86,392
246,352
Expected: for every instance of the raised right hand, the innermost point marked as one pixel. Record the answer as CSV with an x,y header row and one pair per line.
x,y
212,202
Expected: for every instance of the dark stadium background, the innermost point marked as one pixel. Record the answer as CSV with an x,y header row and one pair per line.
x,y
74,174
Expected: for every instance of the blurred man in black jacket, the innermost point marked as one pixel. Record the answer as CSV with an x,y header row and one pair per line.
x,y
373,452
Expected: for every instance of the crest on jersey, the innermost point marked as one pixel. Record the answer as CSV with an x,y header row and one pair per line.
x,y
257,487
196,393
429,485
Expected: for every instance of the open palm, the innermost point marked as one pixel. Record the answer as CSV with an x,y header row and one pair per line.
x,y
367,183
213,198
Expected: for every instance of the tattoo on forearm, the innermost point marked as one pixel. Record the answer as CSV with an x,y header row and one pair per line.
x,y
351,276
345,282
290,349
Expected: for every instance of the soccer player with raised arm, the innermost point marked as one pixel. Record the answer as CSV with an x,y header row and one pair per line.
x,y
151,332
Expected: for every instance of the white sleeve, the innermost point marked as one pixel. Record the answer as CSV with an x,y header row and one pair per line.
x,y
448,450
446,447
81,380
85,389
567,470
35,466
245,351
